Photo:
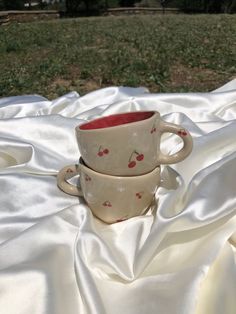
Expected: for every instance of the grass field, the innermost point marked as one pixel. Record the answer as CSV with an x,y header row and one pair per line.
x,y
171,53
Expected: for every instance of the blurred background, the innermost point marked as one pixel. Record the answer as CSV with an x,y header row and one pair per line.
x,y
52,47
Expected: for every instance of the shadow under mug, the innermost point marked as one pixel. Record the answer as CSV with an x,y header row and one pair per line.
x,y
128,144
111,198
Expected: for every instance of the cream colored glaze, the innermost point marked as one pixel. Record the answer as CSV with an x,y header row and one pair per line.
x,y
111,198
132,148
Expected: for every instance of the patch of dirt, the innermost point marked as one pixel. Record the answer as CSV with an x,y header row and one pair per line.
x,y
80,86
195,79
61,82
74,71
90,86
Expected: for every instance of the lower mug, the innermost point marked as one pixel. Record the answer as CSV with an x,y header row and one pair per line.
x,y
111,198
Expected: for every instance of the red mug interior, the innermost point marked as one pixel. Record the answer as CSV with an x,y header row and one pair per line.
x,y
117,119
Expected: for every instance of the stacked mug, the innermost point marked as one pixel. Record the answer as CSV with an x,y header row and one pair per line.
x,y
119,167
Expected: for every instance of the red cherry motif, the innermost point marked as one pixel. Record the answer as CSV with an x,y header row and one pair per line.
x,y
102,151
107,204
154,129
139,157
139,195
122,219
182,132
132,164
87,178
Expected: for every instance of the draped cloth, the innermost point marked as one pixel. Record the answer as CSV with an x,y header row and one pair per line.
x,y
178,258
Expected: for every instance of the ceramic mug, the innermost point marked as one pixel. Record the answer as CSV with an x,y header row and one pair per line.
x,y
111,198
128,144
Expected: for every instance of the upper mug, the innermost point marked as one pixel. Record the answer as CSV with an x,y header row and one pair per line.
x,y
128,144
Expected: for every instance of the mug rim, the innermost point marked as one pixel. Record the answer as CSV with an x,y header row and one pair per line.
x,y
82,164
154,113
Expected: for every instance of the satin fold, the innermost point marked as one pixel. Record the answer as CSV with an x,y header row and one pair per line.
x,y
178,258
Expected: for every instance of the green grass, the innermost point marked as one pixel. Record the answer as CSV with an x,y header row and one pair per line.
x,y
172,53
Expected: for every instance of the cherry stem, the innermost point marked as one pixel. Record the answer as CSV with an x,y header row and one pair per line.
x,y
130,158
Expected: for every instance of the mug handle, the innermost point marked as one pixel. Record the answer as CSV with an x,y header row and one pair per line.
x,y
66,173
186,137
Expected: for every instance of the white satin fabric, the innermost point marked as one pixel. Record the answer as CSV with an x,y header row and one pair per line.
x,y
56,258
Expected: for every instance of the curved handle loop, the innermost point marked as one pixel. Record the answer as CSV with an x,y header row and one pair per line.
x,y
66,173
186,137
